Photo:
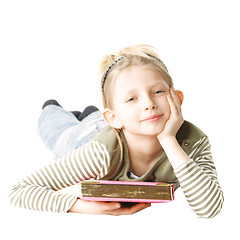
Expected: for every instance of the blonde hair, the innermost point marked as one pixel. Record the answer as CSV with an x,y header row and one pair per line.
x,y
113,64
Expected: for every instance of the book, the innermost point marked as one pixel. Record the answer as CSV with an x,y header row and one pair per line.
x,y
126,191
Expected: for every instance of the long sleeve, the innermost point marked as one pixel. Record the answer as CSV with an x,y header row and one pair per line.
x,y
198,180
39,190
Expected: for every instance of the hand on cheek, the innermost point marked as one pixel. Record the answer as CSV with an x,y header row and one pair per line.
x,y
175,119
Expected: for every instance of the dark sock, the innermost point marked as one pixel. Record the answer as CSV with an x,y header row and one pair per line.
x,y
76,114
51,102
80,116
87,111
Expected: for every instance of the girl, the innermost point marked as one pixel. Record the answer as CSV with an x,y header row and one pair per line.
x,y
143,138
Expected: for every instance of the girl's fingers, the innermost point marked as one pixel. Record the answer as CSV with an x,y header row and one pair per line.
x,y
113,208
129,210
175,99
110,206
172,105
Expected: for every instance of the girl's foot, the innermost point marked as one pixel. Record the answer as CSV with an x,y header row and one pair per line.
x,y
87,111
80,116
51,102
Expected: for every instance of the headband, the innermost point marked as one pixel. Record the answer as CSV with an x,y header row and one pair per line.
x,y
111,66
119,59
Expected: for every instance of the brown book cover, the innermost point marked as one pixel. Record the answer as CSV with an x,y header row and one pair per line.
x,y
126,191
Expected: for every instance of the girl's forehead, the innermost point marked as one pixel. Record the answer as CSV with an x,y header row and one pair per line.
x,y
139,76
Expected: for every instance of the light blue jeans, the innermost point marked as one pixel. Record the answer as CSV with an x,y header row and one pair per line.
x,y
62,132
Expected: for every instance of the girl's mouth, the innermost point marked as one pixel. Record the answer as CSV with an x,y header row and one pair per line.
x,y
152,118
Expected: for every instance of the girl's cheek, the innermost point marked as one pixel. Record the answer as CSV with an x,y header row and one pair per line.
x,y
164,103
166,108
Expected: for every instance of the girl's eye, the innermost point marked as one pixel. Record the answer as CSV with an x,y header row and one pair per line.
x,y
131,99
158,92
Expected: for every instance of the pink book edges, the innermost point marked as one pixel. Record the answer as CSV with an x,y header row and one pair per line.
x,y
108,197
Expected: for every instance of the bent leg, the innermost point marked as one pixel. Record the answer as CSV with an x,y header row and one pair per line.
x,y
80,134
53,121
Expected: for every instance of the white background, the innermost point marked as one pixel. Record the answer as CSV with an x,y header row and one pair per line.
x,y
52,49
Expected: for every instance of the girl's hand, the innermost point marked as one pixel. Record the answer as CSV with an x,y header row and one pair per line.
x,y
175,120
111,208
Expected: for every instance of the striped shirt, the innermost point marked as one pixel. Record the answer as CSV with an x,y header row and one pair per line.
x,y
39,190
198,180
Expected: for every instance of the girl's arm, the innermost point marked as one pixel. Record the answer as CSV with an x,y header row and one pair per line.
x,y
198,178
199,182
39,190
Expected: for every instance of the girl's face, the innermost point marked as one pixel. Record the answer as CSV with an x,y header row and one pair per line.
x,y
140,101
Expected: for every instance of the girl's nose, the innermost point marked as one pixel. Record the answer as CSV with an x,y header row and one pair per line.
x,y
149,105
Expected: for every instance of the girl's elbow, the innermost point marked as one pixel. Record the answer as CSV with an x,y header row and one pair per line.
x,y
15,195
211,210
208,215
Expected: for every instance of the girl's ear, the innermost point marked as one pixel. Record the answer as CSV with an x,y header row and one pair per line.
x,y
111,119
180,95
